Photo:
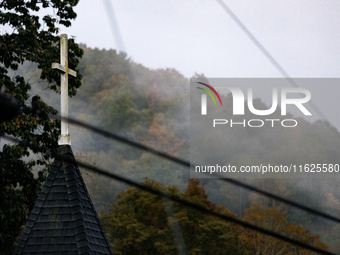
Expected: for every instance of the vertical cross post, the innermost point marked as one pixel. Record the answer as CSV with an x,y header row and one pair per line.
x,y
63,66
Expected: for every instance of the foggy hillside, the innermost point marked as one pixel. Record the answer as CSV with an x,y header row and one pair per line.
x,y
152,107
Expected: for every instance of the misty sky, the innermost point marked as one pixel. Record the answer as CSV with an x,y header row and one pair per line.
x,y
198,36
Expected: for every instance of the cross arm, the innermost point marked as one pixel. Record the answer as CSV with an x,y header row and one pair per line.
x,y
63,68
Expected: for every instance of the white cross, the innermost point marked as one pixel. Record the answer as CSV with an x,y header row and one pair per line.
x,y
63,66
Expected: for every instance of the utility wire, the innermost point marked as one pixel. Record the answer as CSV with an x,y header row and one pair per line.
x,y
189,204
114,26
187,164
115,30
173,198
265,52
196,206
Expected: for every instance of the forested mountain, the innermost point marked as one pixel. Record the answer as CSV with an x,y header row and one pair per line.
x,y
152,107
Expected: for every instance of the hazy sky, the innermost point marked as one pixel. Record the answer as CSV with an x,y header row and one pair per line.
x,y
198,35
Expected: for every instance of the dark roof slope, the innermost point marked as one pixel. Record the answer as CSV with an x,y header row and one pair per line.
x,y
63,220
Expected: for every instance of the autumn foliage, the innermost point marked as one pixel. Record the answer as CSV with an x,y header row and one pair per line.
x,y
256,243
141,223
161,138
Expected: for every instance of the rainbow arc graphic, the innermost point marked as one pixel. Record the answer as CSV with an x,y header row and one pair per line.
x,y
204,97
208,92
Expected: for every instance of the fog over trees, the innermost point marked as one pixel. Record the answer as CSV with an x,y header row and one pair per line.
x,y
152,107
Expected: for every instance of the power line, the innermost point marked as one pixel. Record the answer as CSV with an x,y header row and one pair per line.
x,y
191,204
196,206
176,199
187,164
114,26
265,52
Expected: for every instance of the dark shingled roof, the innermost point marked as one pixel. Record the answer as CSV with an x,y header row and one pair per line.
x,y
63,220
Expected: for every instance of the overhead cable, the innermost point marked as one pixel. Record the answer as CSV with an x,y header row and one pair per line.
x,y
265,52
187,164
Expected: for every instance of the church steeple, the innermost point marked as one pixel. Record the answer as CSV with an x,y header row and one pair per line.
x,y
63,220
